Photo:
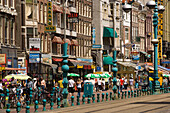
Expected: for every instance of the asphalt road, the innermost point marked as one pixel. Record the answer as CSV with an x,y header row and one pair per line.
x,y
144,104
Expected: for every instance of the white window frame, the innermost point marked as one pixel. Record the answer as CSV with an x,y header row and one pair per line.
x,y
1,3
41,13
12,4
45,14
6,5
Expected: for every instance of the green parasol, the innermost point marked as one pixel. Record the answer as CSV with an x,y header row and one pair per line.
x,y
166,75
105,75
73,75
92,76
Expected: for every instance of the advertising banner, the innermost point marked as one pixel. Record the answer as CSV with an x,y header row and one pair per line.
x,y
34,45
46,58
34,58
2,58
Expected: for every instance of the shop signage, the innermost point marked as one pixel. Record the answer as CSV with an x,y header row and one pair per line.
x,y
34,58
34,45
9,62
94,35
73,17
46,58
98,73
160,48
96,46
135,57
2,58
93,66
78,66
50,27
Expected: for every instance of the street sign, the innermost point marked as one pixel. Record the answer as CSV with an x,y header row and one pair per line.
x,y
50,29
94,35
98,68
96,46
2,58
34,58
34,45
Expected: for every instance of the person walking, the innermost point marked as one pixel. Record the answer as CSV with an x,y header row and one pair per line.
x,y
103,84
131,83
121,84
99,84
79,86
71,85
118,83
125,83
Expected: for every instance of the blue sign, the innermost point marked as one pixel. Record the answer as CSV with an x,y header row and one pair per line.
x,y
94,35
9,61
96,46
98,68
135,57
81,59
34,58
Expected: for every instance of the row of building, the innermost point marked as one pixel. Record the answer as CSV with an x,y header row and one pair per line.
x,y
90,40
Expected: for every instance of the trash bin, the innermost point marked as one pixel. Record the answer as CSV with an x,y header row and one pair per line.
x,y
88,89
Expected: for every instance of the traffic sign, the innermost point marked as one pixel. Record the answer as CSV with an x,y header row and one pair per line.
x,y
98,68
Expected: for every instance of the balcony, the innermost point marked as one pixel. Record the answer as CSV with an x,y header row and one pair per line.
x,y
67,32
73,33
72,9
58,30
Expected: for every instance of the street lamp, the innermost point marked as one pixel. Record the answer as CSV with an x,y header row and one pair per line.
x,y
154,5
65,67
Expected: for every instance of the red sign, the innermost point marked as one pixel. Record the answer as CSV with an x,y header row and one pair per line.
x,y
73,15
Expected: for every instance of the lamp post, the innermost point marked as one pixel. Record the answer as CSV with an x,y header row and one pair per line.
x,y
154,5
65,67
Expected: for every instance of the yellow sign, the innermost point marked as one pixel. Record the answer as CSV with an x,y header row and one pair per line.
x,y
50,27
160,48
160,32
98,73
93,66
2,58
160,27
2,68
79,66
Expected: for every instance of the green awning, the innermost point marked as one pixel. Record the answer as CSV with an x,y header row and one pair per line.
x,y
108,32
107,60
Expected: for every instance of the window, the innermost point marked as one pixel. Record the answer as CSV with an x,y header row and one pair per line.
x,y
12,3
84,28
90,12
35,11
1,2
41,13
89,29
6,2
29,11
29,35
126,34
45,14
1,39
12,31
82,6
6,30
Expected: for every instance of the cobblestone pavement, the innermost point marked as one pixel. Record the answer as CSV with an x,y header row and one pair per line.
x,y
144,104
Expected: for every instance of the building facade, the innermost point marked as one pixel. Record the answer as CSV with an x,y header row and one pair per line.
x,y
8,32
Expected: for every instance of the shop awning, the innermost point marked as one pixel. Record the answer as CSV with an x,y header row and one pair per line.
x,y
7,68
57,8
57,59
107,60
53,66
68,41
78,63
57,40
74,42
108,32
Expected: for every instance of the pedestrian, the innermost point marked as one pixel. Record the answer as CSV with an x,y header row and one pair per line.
x,y
121,83
103,84
43,84
118,83
125,83
131,83
136,84
71,85
79,86
60,85
165,81
1,87
99,84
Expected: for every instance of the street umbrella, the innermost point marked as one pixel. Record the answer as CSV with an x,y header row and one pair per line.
x,y
92,76
17,76
166,75
105,75
73,75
